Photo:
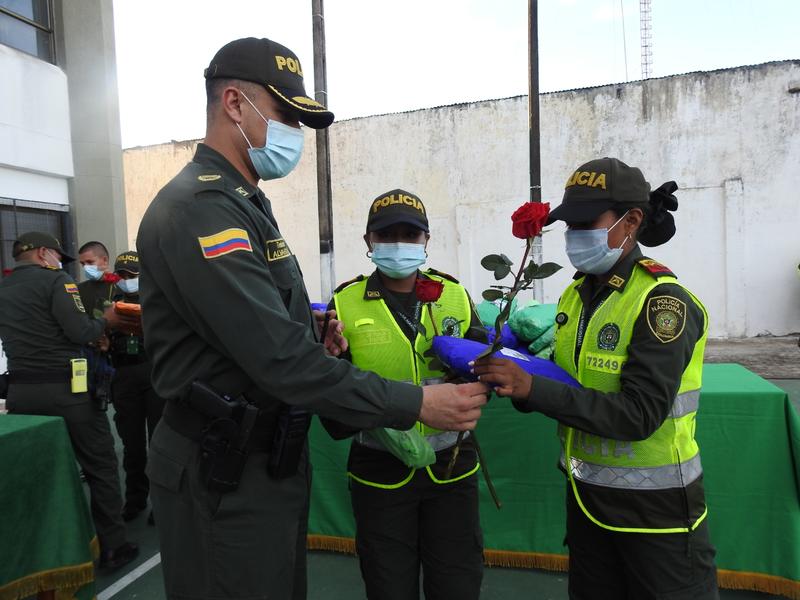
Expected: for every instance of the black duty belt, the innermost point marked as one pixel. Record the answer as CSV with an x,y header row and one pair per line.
x,y
191,424
128,360
57,376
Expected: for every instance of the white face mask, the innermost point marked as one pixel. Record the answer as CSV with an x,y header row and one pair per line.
x,y
588,251
129,286
58,264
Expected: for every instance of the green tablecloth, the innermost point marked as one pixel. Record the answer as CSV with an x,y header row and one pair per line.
x,y
749,436
47,539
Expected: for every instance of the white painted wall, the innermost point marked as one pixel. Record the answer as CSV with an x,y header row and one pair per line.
x,y
34,122
730,138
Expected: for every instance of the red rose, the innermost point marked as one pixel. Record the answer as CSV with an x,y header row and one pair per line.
x,y
111,278
528,220
429,290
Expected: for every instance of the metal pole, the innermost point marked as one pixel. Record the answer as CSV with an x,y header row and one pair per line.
x,y
534,150
324,204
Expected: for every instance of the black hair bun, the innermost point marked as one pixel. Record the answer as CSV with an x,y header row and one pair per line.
x,y
660,223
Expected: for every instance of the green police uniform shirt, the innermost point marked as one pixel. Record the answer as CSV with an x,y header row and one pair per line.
x,y
223,301
43,322
650,380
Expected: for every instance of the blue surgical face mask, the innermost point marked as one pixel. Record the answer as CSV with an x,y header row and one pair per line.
x,y
129,286
282,151
588,249
92,272
398,260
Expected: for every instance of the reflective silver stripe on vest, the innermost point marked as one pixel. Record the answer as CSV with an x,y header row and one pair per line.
x,y
685,403
440,441
647,478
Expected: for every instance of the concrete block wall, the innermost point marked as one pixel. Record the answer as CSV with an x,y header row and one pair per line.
x,y
729,138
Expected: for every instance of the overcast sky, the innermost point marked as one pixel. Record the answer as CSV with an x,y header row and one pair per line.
x,y
395,55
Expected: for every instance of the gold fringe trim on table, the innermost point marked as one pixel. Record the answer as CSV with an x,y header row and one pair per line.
x,y
65,580
759,582
526,560
332,543
732,580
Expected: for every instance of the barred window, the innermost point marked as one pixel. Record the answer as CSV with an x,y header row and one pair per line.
x,y
20,216
27,25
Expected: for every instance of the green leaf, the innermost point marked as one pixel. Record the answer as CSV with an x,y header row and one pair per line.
x,y
429,353
492,261
501,271
506,260
530,271
492,295
421,330
546,270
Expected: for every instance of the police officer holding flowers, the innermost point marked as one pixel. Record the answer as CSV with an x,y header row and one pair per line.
x,y
236,349
44,327
633,336
409,511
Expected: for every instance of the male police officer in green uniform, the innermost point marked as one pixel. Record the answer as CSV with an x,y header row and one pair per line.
x,y
98,288
232,338
137,407
634,337
43,326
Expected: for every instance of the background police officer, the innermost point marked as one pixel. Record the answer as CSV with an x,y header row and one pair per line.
x,y
97,289
43,326
634,337
409,516
226,313
137,407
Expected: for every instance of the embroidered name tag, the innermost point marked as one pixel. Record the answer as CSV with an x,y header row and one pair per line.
x,y
277,250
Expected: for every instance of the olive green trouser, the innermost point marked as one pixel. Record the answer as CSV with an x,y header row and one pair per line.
x,y
92,443
248,544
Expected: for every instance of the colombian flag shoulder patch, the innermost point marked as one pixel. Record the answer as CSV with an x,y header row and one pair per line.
x,y
71,288
225,242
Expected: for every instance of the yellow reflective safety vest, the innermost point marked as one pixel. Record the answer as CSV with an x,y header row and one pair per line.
x,y
378,344
670,457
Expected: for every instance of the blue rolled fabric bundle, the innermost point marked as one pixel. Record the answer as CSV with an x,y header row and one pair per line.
x,y
507,337
319,306
457,353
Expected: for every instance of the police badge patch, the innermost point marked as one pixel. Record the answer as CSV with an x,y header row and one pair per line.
x,y
451,327
666,317
608,338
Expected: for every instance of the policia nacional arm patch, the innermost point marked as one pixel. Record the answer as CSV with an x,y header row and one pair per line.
x,y
666,317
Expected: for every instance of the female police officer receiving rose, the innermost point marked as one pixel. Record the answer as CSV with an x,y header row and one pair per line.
x,y
634,338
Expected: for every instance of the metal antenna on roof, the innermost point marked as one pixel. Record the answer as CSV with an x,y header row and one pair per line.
x,y
646,37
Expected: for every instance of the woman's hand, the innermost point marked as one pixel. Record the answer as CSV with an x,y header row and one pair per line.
x,y
506,376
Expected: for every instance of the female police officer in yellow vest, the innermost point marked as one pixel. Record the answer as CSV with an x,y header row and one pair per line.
x,y
405,516
634,337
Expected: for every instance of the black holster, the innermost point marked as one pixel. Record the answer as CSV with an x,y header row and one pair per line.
x,y
289,441
4,385
224,443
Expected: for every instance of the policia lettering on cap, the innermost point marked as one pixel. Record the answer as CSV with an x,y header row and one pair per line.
x,y
236,350
634,338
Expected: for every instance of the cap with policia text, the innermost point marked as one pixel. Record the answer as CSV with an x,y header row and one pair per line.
x,y
397,206
127,261
38,239
597,186
275,67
